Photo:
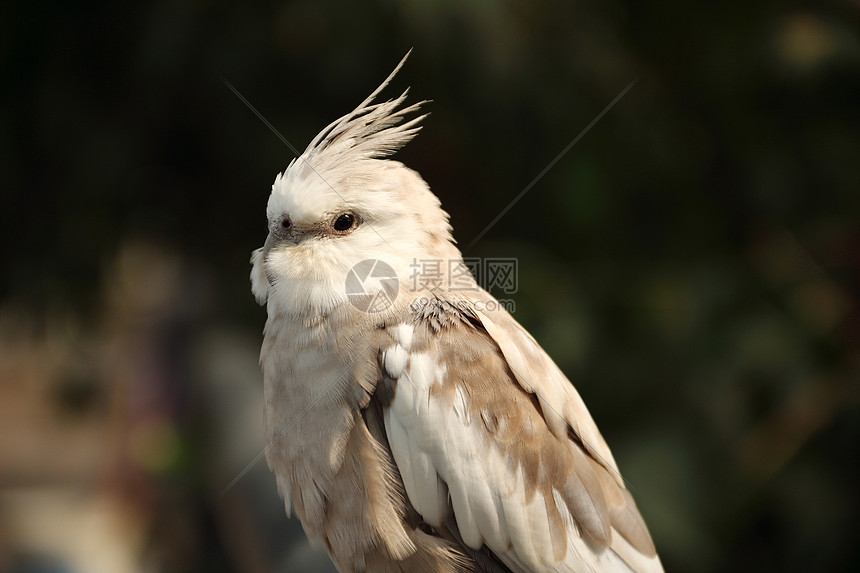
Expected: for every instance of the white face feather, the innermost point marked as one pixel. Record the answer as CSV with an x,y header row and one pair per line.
x,y
393,209
398,219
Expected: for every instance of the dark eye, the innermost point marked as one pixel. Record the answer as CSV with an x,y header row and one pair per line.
x,y
281,227
344,222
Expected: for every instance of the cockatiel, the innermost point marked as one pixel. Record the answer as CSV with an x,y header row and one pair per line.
x,y
417,429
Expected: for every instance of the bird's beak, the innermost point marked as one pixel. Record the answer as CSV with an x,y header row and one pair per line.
x,y
271,241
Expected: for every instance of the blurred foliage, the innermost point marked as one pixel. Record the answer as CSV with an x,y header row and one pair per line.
x,y
691,263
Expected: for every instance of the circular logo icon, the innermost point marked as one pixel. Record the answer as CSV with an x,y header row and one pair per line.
x,y
372,285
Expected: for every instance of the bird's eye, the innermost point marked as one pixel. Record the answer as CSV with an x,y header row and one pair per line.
x,y
281,227
344,222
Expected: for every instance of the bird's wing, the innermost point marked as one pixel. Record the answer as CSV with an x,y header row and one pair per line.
x,y
486,430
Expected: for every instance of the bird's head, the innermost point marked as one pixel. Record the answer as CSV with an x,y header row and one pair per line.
x,y
341,202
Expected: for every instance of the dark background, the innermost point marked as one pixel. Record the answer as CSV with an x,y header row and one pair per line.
x,y
691,263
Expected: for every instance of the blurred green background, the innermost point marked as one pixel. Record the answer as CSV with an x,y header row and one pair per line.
x,y
691,263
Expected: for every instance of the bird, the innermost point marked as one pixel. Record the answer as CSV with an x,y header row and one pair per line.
x,y
414,425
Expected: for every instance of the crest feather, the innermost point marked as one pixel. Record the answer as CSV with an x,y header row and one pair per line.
x,y
370,131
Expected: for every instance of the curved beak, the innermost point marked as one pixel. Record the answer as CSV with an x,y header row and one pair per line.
x,y
271,241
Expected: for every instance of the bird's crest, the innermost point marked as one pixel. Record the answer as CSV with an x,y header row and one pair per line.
x,y
370,131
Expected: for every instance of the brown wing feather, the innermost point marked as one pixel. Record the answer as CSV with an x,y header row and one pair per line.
x,y
514,408
594,489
